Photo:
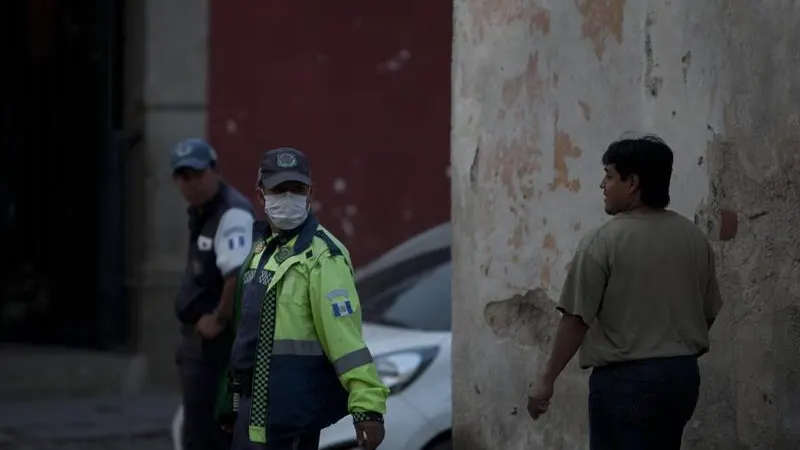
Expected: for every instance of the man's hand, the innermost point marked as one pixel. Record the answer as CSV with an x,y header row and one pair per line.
x,y
569,337
208,326
227,422
369,434
539,398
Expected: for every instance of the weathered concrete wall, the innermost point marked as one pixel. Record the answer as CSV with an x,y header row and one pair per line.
x,y
167,67
539,88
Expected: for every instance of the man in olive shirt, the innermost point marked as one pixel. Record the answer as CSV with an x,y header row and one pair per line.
x,y
638,302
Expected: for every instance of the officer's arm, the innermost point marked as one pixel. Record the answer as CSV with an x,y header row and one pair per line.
x,y
337,319
232,244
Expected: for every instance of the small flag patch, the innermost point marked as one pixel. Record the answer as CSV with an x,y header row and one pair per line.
x,y
342,308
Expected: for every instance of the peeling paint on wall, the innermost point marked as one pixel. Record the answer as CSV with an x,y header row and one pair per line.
x,y
601,19
564,148
527,320
549,242
586,111
494,13
540,20
530,79
514,163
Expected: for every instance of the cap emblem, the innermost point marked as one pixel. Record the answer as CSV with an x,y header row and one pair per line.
x,y
286,160
184,149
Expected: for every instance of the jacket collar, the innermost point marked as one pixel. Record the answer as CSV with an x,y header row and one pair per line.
x,y
304,233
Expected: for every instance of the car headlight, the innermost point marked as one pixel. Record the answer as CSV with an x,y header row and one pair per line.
x,y
399,369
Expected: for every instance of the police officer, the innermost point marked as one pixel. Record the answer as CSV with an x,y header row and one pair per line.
x,y
299,362
220,229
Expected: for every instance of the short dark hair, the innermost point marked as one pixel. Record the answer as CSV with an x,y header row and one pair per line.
x,y
650,158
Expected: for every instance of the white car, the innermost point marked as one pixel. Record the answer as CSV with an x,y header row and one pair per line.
x,y
405,302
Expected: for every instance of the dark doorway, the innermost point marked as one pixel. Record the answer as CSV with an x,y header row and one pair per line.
x,y
60,187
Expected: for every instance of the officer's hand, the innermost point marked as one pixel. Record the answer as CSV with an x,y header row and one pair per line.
x,y
369,434
208,326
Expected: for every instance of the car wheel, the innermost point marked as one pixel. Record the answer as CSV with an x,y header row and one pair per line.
x,y
444,445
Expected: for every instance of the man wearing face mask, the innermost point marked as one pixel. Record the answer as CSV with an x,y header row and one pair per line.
x,y
299,362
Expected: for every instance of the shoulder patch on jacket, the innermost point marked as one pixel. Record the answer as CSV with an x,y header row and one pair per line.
x,y
340,302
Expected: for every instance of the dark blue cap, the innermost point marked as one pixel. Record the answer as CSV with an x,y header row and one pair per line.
x,y
193,153
281,165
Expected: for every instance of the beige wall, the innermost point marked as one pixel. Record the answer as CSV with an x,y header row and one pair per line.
x,y
167,88
539,88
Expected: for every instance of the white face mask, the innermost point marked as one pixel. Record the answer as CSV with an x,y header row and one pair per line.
x,y
286,211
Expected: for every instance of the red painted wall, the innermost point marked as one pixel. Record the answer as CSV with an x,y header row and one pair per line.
x,y
361,86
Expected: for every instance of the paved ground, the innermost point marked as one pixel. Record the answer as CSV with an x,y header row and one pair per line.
x,y
108,423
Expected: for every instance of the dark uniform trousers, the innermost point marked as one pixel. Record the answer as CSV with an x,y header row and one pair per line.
x,y
241,438
200,374
202,363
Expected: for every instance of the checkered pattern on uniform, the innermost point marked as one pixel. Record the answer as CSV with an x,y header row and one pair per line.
x,y
266,338
264,277
247,278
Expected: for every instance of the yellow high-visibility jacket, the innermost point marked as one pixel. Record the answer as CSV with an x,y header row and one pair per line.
x,y
298,327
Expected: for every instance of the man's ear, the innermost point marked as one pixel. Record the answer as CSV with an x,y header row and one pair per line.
x,y
633,182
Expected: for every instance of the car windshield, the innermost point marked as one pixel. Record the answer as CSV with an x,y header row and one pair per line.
x,y
420,301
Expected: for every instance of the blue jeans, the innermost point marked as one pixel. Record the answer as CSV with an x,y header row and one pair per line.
x,y
642,405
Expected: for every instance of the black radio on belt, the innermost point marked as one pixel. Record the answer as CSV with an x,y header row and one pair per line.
x,y
235,383
239,382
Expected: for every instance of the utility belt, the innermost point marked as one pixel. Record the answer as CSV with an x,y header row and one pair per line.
x,y
240,383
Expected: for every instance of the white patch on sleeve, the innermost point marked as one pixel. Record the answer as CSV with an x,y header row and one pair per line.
x,y
234,239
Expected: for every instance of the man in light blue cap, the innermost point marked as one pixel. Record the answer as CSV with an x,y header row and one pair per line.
x,y
220,233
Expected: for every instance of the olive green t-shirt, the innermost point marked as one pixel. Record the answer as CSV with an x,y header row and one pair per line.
x,y
646,286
